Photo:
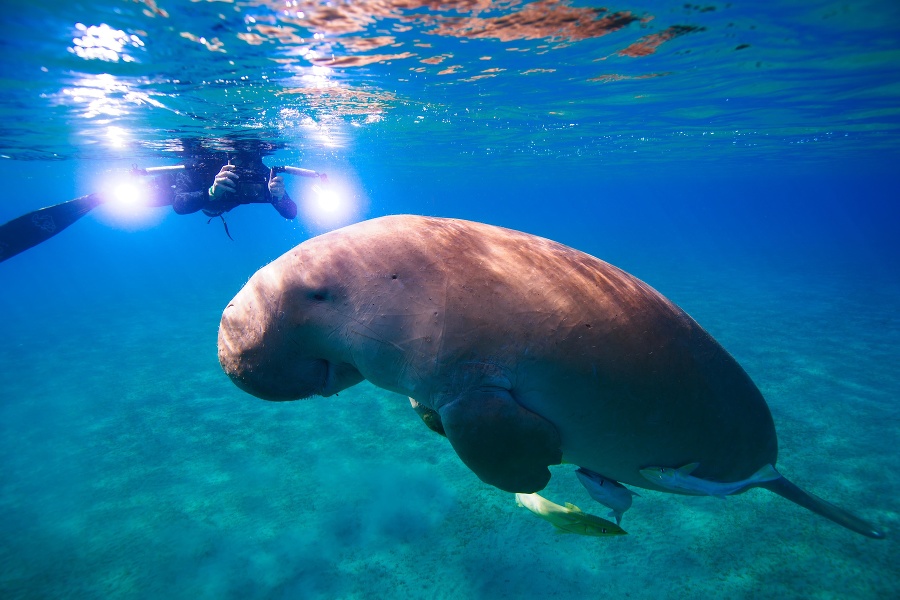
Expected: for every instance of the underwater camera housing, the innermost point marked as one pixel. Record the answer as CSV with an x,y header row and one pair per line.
x,y
251,177
251,183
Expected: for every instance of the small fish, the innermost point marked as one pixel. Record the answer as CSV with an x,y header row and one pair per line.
x,y
568,518
681,480
607,492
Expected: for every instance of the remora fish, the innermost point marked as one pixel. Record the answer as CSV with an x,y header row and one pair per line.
x,y
607,492
568,518
681,480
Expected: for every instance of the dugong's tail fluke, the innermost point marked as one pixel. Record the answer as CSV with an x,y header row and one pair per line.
x,y
786,489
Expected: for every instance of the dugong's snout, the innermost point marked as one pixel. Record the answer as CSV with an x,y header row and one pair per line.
x,y
268,356
256,357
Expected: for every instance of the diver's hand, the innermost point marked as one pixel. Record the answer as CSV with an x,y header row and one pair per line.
x,y
276,188
225,183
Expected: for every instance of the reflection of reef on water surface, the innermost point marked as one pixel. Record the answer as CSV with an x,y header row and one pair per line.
x,y
321,26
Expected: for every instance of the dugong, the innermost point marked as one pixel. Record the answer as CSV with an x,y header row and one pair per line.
x,y
524,352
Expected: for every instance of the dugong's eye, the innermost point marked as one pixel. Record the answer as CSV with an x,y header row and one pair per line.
x,y
319,296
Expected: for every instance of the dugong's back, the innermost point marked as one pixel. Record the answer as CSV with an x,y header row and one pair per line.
x,y
628,378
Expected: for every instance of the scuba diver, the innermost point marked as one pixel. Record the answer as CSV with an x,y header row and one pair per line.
x,y
242,179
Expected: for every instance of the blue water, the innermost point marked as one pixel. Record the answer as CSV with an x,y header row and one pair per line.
x,y
756,188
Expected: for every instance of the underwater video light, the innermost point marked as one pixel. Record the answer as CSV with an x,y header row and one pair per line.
x,y
128,193
327,200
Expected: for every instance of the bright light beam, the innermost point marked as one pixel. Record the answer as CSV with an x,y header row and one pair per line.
x,y
126,206
328,202
128,194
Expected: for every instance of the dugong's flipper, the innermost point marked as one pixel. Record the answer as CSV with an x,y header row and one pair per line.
x,y
506,445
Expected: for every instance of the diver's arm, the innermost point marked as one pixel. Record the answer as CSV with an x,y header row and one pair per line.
x,y
161,190
188,199
280,199
189,202
192,193
286,207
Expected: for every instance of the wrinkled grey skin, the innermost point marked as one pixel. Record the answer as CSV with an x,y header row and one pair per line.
x,y
525,352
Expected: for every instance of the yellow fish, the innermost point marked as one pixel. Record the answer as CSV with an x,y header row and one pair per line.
x,y
568,518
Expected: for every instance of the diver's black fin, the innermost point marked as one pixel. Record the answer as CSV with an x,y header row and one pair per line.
x,y
786,489
38,226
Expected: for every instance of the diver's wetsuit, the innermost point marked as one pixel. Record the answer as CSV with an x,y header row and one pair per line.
x,y
192,184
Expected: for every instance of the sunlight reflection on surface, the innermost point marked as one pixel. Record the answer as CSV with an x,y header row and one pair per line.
x,y
116,136
103,94
537,77
102,42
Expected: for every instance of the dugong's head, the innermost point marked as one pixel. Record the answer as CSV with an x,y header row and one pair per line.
x,y
282,337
